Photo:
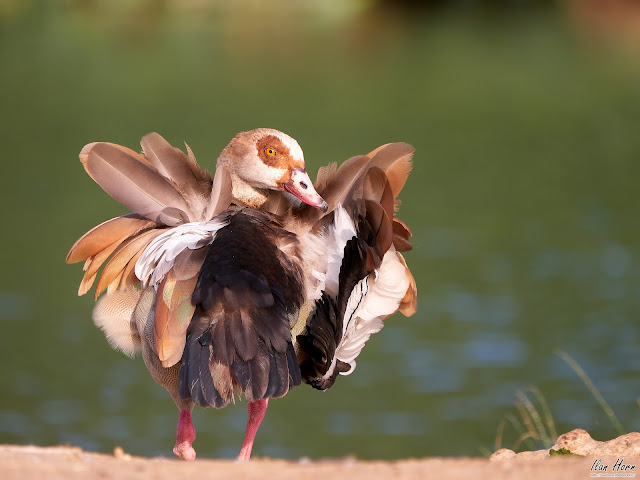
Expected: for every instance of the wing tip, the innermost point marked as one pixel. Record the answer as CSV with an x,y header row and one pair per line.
x,y
84,153
409,303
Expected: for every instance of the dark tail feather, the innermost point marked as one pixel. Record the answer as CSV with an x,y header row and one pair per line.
x,y
318,342
196,381
224,357
242,318
295,377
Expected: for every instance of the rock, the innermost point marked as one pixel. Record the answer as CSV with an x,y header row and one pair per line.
x,y
506,454
119,452
579,442
502,454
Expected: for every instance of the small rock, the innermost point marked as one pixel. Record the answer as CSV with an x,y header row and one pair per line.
x,y
502,454
349,460
119,453
534,455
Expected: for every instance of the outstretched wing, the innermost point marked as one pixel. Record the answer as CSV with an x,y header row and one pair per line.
x,y
163,187
176,209
365,278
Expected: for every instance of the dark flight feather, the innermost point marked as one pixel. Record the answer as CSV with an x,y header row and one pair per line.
x,y
401,235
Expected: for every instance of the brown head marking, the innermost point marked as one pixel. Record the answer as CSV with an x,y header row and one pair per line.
x,y
282,158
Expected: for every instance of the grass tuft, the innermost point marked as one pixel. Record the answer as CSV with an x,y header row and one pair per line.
x,y
534,423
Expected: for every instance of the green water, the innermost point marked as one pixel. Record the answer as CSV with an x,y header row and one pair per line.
x,y
523,203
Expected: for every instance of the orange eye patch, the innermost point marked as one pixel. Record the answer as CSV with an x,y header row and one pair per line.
x,y
274,153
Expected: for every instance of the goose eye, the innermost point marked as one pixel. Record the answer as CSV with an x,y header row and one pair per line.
x,y
270,151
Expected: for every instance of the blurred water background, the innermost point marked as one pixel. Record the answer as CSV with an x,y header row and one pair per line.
x,y
523,203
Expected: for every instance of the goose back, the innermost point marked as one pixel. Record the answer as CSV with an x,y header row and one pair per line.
x,y
239,339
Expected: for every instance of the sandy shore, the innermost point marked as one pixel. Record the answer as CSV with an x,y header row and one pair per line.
x,y
26,462
68,463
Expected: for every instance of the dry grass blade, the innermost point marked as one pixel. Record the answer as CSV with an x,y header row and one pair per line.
x,y
594,391
497,444
540,431
534,424
546,413
523,433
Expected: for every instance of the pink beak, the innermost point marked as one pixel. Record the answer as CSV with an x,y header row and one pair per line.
x,y
300,185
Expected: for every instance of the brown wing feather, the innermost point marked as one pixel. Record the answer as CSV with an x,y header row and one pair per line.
x,y
401,235
381,224
135,183
220,196
172,319
200,173
173,306
103,235
344,185
112,287
376,187
129,274
338,185
398,173
114,270
324,175
171,162
161,316
84,153
409,304
192,181
343,180
86,282
373,153
387,155
93,264
401,244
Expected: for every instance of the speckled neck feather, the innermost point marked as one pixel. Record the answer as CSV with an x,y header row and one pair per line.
x,y
245,193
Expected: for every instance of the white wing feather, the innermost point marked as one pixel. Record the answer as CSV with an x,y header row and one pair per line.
x,y
372,300
157,259
336,237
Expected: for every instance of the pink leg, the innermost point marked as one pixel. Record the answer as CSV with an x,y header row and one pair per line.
x,y
185,435
257,410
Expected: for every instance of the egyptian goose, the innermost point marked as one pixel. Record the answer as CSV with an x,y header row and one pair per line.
x,y
250,282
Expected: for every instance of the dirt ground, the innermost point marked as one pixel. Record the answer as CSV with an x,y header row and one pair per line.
x,y
69,463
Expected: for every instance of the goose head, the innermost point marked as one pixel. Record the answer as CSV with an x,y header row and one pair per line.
x,y
264,160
